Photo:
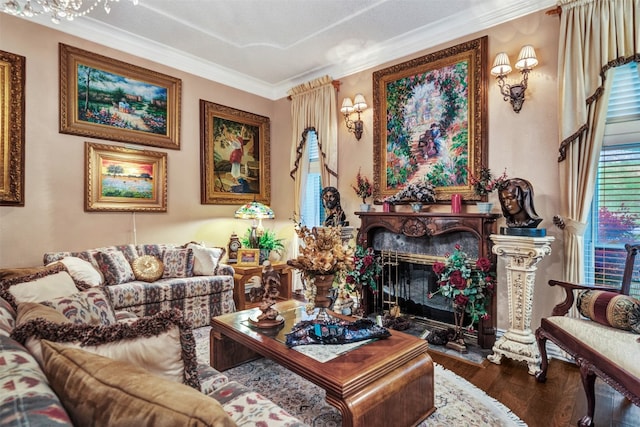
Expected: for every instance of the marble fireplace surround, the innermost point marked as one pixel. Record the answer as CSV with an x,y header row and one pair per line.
x,y
422,237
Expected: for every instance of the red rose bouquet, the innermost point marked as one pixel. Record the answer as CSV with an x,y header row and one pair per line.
x,y
466,284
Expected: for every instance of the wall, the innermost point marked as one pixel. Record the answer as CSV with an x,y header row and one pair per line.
x,y
53,217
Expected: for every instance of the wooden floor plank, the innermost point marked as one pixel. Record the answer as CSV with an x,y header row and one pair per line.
x,y
559,402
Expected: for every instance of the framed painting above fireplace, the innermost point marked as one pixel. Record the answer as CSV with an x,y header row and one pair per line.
x,y
430,121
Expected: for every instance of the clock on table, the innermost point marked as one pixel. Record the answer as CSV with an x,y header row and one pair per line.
x,y
234,245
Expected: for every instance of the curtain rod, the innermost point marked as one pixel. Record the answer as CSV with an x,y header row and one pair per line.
x,y
336,84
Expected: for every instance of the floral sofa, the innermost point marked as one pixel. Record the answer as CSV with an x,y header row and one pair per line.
x,y
71,359
192,278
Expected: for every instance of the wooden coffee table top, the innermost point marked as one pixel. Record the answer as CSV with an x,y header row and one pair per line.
x,y
341,376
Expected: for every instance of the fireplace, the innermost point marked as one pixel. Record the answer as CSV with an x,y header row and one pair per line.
x,y
409,243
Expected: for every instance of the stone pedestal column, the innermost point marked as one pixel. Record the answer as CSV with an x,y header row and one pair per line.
x,y
522,255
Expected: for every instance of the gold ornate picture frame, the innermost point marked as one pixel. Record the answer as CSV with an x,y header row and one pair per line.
x,y
430,121
104,98
119,179
12,117
235,165
248,257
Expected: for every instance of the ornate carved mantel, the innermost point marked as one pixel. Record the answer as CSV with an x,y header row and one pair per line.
x,y
431,226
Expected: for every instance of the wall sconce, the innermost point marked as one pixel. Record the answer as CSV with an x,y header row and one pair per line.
x,y
501,67
358,105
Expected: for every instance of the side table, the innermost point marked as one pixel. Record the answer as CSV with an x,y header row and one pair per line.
x,y
244,273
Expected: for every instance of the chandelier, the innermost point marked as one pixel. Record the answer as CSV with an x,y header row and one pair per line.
x,y
59,9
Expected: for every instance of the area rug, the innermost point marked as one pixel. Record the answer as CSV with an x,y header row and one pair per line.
x,y
458,402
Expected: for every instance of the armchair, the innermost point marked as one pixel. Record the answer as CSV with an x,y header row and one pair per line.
x,y
605,345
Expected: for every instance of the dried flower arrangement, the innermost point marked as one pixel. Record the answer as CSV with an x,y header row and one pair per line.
x,y
485,182
422,191
321,253
363,187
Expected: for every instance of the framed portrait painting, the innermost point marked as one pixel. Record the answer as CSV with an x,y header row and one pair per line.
x,y
104,98
119,179
12,105
430,121
234,155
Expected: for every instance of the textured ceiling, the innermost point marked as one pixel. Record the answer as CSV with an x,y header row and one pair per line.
x,y
268,46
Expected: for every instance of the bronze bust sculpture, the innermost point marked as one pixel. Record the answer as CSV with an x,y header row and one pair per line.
x,y
516,200
333,209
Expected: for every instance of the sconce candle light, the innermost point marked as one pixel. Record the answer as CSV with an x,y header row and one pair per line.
x,y
358,105
501,67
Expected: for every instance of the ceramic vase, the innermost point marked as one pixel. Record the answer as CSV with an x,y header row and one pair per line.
x,y
323,290
484,207
365,207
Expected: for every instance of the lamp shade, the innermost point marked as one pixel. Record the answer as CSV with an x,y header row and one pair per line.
x,y
359,103
347,106
527,58
254,210
501,65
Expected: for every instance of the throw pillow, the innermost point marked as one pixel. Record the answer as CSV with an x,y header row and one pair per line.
x,y
91,307
114,267
610,309
162,344
98,391
83,272
46,283
147,268
177,262
205,259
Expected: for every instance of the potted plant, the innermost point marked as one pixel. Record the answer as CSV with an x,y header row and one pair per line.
x,y
363,189
485,183
267,243
468,286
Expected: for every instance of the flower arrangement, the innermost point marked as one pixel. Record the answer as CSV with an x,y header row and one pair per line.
x,y
321,253
485,182
466,286
366,269
363,187
422,191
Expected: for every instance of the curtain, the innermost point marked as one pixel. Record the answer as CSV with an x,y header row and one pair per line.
x,y
595,35
313,105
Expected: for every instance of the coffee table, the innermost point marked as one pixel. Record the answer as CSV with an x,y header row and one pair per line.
x,y
381,383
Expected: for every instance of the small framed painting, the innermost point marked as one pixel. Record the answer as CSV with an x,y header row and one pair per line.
x,y
119,179
235,166
248,257
104,98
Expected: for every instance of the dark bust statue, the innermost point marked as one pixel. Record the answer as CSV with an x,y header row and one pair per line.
x,y
333,209
516,199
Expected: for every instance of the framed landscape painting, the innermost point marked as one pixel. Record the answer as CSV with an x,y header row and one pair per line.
x,y
104,98
430,121
119,179
234,155
12,104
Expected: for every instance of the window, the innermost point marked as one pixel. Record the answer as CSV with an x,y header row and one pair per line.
x,y
615,211
312,210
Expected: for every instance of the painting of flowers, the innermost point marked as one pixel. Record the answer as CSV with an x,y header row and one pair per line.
x,y
430,121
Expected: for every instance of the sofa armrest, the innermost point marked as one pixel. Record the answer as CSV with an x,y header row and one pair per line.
x,y
225,270
563,308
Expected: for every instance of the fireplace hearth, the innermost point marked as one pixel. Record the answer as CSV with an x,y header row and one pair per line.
x,y
409,243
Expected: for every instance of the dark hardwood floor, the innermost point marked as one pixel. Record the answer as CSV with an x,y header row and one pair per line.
x,y
559,402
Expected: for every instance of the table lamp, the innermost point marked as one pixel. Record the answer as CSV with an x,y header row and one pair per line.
x,y
255,211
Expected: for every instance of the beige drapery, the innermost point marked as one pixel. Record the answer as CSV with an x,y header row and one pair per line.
x,y
313,104
595,35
